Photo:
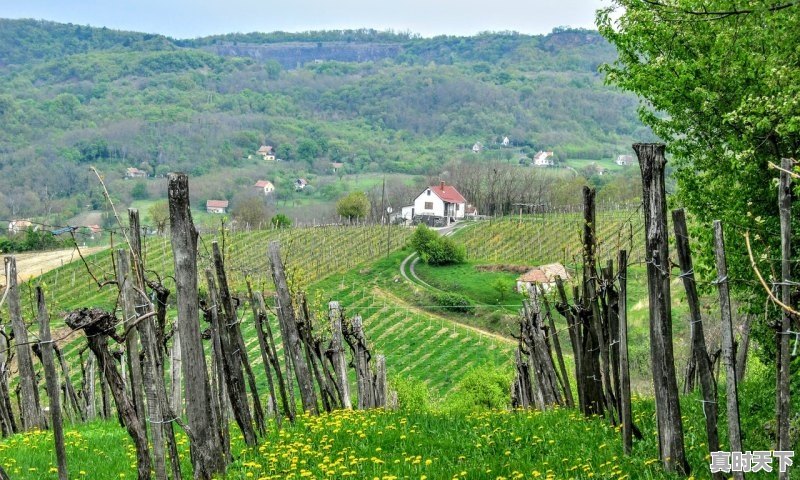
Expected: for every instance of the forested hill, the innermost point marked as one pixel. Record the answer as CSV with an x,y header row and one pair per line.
x,y
73,96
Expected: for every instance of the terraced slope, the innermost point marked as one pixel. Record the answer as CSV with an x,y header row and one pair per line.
x,y
551,237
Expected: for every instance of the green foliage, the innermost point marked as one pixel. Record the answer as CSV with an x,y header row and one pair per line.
x,y
353,206
412,394
139,191
435,249
281,221
159,215
480,389
453,302
32,240
722,91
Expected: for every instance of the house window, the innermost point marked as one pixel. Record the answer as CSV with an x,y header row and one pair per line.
x,y
429,191
457,205
428,205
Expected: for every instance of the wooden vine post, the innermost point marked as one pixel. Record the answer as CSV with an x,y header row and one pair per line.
x,y
668,409
626,416
30,409
206,450
51,380
699,350
98,325
336,354
782,336
291,336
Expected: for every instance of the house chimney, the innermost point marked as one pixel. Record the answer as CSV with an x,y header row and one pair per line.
x,y
441,185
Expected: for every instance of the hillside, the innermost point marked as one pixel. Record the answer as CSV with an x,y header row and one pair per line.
x,y
74,96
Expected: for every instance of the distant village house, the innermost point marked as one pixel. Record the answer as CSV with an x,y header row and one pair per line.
x,y
624,160
266,153
19,226
133,172
336,166
265,186
506,141
217,206
544,275
477,147
543,159
300,184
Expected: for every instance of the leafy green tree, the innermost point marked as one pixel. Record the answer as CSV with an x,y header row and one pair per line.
x,y
308,150
281,221
353,206
250,209
435,249
139,191
159,215
719,83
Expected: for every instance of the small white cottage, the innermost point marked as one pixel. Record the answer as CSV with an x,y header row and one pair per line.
x,y
544,275
438,201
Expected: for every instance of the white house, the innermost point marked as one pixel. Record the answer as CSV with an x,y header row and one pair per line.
x,y
265,186
133,172
544,275
543,159
300,184
19,226
477,147
217,206
438,201
506,141
624,160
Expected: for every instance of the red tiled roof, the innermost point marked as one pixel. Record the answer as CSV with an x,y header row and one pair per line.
x,y
448,193
217,204
263,183
545,273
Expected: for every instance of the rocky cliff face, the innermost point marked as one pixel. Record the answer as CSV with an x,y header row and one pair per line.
x,y
296,54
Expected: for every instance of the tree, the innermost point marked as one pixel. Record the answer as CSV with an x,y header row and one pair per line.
x,y
159,215
281,221
353,206
139,191
250,209
719,83
435,249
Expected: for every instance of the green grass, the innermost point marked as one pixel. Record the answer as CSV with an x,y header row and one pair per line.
x,y
485,288
434,444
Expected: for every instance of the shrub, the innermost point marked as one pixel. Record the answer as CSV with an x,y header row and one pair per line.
x,y
435,249
481,388
412,394
453,302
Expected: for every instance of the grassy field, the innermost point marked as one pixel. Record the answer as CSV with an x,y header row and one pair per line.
x,y
420,444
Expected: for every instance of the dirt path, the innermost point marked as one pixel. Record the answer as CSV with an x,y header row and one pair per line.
x,y
30,265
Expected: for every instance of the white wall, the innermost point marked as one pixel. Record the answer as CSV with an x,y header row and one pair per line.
x,y
419,204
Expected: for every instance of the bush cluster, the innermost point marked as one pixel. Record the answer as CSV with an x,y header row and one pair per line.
x,y
435,249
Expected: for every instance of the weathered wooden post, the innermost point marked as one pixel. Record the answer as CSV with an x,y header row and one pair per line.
x,y
155,386
206,451
125,283
51,379
337,355
6,412
728,355
784,359
626,417
30,409
98,325
381,388
699,349
291,336
259,318
273,357
557,346
232,364
668,409
176,368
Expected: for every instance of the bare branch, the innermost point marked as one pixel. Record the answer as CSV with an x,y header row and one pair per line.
x,y
776,167
719,14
